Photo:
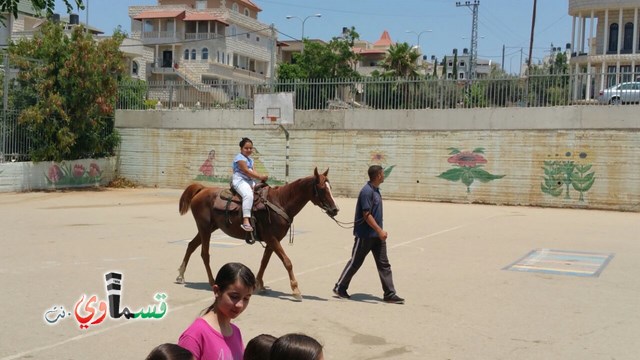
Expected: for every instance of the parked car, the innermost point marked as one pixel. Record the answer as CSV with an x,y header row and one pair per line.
x,y
628,92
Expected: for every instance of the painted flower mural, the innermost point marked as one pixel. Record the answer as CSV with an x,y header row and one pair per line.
x,y
468,167
380,158
66,174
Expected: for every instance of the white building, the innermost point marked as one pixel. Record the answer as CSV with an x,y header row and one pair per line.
x,y
605,42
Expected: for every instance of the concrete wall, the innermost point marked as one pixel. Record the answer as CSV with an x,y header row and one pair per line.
x,y
29,176
578,156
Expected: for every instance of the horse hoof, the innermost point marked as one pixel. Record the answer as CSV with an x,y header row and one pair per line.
x,y
297,297
180,280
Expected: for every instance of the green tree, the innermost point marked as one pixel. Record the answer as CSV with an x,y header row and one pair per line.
x,y
11,6
323,61
455,66
444,67
401,61
319,62
68,94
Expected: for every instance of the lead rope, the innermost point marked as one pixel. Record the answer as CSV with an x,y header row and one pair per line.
x,y
347,225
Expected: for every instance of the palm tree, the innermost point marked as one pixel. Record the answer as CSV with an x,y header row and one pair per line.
x,y
401,60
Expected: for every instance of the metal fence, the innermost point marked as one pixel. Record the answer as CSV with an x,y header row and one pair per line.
x,y
375,93
15,141
365,93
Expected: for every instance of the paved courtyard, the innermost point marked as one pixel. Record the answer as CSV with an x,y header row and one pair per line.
x,y
481,282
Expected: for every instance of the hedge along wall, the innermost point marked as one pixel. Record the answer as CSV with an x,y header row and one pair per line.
x,y
582,157
28,176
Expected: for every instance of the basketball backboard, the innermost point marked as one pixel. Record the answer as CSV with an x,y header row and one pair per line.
x,y
274,109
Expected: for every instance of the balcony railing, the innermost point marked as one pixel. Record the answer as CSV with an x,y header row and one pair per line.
x,y
202,36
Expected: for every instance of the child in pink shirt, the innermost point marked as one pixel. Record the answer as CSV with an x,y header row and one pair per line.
x,y
213,336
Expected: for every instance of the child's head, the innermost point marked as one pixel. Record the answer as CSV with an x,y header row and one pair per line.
x,y
296,346
233,287
259,347
169,352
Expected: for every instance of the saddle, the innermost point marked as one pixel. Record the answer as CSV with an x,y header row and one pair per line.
x,y
229,200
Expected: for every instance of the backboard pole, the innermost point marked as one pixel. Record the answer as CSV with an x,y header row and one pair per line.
x,y
286,164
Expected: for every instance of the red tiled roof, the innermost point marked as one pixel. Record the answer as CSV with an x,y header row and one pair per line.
x,y
251,4
155,14
385,40
203,16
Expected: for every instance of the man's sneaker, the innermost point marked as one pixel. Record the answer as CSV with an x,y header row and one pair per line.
x,y
341,292
393,299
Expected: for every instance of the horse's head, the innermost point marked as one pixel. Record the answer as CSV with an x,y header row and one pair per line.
x,y
322,196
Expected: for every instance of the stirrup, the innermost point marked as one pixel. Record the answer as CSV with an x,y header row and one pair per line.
x,y
251,238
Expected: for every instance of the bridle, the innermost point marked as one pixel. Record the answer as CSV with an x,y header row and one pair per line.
x,y
320,195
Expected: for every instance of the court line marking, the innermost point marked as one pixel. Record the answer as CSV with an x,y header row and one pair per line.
x,y
208,298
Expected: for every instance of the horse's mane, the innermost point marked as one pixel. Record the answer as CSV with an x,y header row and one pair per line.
x,y
284,193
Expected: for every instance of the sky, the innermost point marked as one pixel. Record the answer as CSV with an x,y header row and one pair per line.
x,y
500,23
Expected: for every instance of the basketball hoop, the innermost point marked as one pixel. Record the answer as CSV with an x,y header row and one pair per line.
x,y
272,119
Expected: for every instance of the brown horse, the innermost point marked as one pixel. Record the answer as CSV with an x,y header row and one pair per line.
x,y
272,224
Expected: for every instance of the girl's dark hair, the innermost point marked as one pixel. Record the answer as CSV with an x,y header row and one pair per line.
x,y
244,141
169,352
259,347
228,274
295,346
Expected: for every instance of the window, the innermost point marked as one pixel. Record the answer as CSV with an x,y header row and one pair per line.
x,y
246,12
148,26
218,56
134,68
450,63
201,4
233,30
193,54
205,54
613,37
235,8
627,42
248,36
186,54
257,38
462,63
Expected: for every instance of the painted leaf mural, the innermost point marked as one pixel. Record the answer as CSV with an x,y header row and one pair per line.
x,y
563,175
468,167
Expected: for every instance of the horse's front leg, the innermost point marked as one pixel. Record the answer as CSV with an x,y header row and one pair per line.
x,y
263,266
277,248
193,245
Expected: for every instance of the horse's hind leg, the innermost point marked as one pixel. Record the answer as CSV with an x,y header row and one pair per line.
x,y
263,266
277,248
204,253
193,245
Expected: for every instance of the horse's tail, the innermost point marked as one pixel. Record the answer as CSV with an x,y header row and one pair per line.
x,y
187,195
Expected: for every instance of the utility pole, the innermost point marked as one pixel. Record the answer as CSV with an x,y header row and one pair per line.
x,y
533,26
473,57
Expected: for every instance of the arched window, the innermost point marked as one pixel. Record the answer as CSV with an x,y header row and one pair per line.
x,y
134,68
627,42
193,54
205,54
186,54
235,8
246,12
613,37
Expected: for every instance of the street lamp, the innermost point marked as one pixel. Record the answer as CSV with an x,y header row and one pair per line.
x,y
419,34
289,17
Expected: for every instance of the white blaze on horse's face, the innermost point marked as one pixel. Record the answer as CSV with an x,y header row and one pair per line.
x,y
328,184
